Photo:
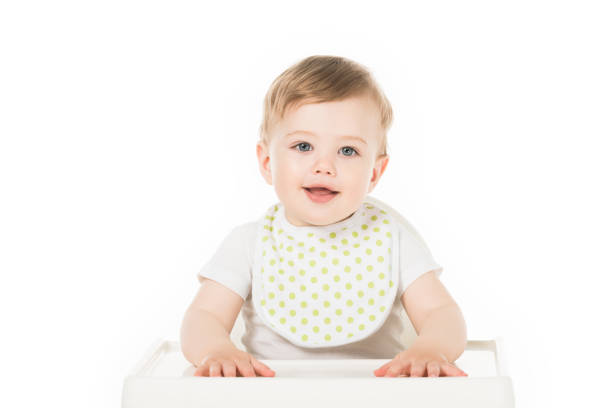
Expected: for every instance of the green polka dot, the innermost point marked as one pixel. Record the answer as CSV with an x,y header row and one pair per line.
x,y
332,235
369,268
300,244
385,221
264,239
378,242
313,279
348,286
371,302
263,302
388,234
303,304
380,259
350,335
350,319
281,303
390,284
315,296
346,253
271,278
326,287
312,249
335,261
344,241
382,309
289,236
327,320
313,262
361,326
283,320
302,288
349,303
281,287
372,318
323,254
327,337
289,248
315,329
360,293
310,234
381,276
356,245
360,310
326,303
291,295
358,260
370,285
337,295
293,329
271,311
292,312
271,295
338,329
364,226
292,278
347,268
369,251
304,320
336,278
373,218
355,234
376,229
302,272
282,271
324,270
381,292
304,337
272,261
315,312
321,239
338,312
334,247
359,277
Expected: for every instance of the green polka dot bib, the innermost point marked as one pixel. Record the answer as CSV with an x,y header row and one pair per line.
x,y
329,285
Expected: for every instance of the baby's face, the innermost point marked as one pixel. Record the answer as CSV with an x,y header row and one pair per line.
x,y
333,145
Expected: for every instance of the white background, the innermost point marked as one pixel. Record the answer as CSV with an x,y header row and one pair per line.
x,y
128,131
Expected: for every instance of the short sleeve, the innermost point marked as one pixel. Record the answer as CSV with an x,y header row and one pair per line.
x,y
415,258
231,264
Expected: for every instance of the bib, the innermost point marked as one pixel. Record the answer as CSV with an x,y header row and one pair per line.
x,y
325,286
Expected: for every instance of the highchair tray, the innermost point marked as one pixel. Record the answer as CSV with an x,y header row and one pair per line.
x,y
163,378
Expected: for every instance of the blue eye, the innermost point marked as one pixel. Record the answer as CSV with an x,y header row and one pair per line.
x,y
303,144
347,151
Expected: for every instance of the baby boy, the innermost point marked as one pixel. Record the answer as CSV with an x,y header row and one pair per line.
x,y
325,272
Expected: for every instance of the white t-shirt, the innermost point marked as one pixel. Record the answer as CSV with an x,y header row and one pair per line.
x,y
231,266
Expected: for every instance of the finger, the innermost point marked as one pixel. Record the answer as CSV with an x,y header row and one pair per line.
x,y
433,369
380,371
394,370
450,370
262,369
417,369
245,369
215,369
201,370
229,369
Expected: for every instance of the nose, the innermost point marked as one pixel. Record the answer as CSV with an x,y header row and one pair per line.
x,y
324,165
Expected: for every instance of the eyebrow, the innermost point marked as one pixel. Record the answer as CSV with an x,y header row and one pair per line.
x,y
342,137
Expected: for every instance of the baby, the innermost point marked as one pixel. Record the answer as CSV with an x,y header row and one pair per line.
x,y
324,272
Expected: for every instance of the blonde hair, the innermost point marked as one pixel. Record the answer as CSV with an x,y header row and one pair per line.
x,y
322,78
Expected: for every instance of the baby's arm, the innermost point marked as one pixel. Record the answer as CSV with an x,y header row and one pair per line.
x,y
205,334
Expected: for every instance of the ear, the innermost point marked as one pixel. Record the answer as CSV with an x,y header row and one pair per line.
x,y
379,168
263,157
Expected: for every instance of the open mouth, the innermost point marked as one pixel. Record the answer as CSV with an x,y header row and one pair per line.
x,y
320,194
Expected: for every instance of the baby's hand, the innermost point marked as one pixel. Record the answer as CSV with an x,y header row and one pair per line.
x,y
415,361
223,362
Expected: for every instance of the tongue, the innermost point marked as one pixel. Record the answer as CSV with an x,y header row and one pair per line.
x,y
320,191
